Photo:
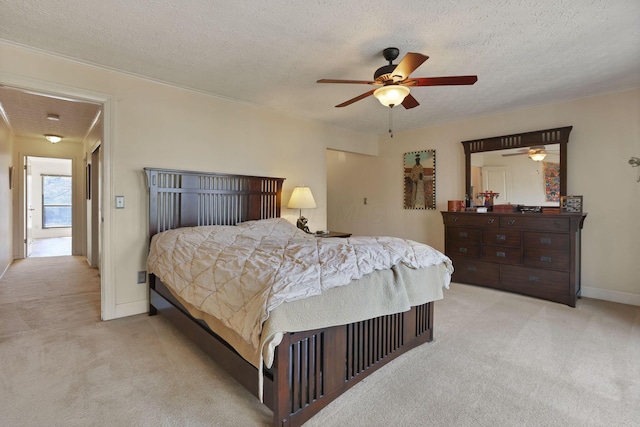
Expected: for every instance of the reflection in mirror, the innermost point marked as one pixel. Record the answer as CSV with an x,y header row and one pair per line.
x,y
528,168
517,177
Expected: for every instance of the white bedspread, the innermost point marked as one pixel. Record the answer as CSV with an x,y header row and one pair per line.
x,y
239,274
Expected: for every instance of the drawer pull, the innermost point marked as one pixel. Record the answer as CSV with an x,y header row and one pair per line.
x,y
463,250
511,221
533,278
454,219
463,234
471,269
545,258
557,224
501,254
501,237
545,240
490,221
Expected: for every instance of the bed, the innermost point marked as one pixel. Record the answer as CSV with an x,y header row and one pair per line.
x,y
300,366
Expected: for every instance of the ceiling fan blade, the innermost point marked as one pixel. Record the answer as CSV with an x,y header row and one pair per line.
x,y
361,82
410,102
408,65
515,154
357,98
441,81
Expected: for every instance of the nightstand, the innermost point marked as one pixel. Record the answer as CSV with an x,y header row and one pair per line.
x,y
334,234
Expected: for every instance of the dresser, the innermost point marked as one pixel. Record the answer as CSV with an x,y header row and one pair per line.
x,y
533,254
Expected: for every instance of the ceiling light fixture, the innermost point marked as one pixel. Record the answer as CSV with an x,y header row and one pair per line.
x,y
538,155
53,117
391,95
54,139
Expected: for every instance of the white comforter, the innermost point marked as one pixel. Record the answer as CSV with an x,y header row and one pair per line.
x,y
239,274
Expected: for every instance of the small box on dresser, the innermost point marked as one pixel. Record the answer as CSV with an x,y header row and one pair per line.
x,y
532,254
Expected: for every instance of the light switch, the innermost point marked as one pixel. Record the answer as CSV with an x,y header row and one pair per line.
x,y
119,202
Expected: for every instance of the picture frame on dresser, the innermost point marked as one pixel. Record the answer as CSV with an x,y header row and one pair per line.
x,y
571,204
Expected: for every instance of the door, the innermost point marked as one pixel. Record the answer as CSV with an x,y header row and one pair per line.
x,y
95,207
28,221
498,180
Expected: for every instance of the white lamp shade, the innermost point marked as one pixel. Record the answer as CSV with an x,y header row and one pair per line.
x,y
301,198
391,94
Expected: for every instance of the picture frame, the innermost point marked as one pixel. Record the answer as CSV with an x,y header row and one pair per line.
x,y
419,174
88,181
571,204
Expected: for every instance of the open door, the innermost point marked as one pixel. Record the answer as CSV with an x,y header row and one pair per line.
x,y
28,221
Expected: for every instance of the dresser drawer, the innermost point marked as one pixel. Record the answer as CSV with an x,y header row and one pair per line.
x,y
537,222
464,235
551,285
461,249
502,254
544,258
476,272
472,220
502,237
552,241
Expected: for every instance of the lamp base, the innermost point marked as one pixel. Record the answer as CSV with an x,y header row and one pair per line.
x,y
302,224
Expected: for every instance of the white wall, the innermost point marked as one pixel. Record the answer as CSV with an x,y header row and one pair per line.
x,y
606,133
148,124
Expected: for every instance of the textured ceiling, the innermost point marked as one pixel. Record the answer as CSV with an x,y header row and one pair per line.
x,y
524,52
27,115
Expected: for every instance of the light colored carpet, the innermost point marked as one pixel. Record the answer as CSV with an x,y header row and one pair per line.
x,y
498,360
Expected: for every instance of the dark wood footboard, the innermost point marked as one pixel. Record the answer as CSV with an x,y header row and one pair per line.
x,y
310,368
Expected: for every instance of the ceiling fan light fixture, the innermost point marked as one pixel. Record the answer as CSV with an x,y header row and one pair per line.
x,y
54,139
538,156
391,95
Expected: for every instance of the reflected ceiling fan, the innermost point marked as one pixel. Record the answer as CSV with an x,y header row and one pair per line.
x,y
537,153
395,81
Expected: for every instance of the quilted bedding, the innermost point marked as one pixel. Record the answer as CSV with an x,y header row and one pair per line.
x,y
240,274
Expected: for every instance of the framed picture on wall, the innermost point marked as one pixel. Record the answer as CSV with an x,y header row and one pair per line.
x,y
571,204
88,182
419,169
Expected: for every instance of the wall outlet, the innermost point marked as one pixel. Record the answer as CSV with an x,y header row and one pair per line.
x,y
142,277
119,202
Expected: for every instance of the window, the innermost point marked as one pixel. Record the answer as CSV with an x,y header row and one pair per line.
x,y
56,201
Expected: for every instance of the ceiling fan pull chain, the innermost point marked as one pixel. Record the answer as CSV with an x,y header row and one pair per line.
x,y
390,123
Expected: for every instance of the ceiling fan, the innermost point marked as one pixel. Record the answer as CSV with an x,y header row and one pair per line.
x,y
395,81
537,153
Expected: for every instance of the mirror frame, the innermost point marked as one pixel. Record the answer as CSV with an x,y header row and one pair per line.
x,y
520,140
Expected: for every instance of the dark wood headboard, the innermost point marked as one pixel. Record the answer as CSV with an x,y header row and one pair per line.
x,y
186,198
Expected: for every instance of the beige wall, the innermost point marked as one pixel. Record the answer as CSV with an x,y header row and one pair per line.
x,y
6,203
606,133
152,124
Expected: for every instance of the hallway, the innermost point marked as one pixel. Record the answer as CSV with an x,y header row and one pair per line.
x,y
48,293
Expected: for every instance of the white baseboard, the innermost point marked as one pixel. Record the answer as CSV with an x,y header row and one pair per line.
x,y
609,295
131,308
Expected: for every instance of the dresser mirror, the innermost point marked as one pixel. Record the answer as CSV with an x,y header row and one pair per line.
x,y
527,169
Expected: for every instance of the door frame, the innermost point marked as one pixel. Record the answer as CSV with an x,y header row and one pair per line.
x,y
107,273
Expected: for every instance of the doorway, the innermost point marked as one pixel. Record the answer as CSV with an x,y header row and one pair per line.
x,y
48,184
